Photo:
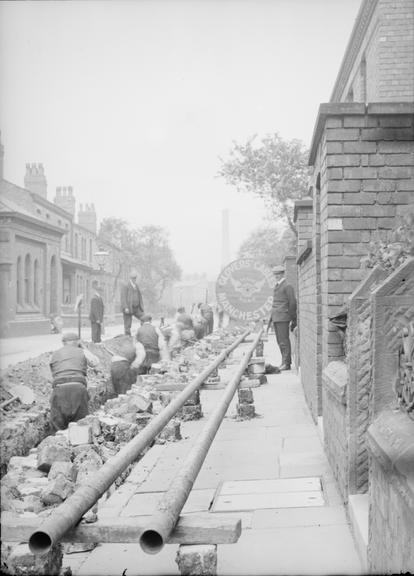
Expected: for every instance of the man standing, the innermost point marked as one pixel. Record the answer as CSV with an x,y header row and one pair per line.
x,y
131,302
69,399
206,312
153,341
96,314
283,313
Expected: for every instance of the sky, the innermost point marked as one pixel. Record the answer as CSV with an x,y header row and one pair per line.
x,y
133,102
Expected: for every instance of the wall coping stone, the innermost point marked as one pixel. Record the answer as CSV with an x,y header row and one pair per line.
x,y
371,281
303,203
358,34
335,379
336,109
390,441
304,253
392,108
395,279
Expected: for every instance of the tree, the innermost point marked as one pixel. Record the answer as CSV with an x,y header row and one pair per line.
x,y
269,244
273,169
146,249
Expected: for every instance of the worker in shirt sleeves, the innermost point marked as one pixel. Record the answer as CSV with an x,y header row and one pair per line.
x,y
69,364
153,342
127,357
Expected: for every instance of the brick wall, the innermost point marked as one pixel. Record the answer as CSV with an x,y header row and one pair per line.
x,y
307,304
382,42
335,378
364,158
391,511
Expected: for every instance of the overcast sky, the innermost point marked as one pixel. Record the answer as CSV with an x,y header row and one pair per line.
x,y
132,102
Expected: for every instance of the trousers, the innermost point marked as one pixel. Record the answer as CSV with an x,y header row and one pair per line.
x,y
68,403
96,331
128,319
283,341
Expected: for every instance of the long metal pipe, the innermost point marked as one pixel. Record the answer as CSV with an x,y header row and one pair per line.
x,y
161,524
71,511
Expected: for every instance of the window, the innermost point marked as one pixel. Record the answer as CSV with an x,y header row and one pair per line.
x,y
27,278
76,246
90,250
19,280
36,282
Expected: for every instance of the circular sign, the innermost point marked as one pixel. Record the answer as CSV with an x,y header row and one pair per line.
x,y
244,289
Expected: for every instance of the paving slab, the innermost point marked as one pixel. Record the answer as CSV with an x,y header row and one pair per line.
x,y
291,517
291,550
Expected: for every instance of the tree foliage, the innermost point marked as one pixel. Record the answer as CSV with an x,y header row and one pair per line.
x,y
269,244
147,250
273,169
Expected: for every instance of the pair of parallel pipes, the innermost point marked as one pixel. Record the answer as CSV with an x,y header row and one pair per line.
x,y
152,540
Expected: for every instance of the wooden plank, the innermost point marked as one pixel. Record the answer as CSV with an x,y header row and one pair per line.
x,y
190,529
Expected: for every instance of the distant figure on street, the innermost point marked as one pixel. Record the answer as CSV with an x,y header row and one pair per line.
x,y
283,313
183,318
96,313
220,314
128,356
131,302
154,344
207,313
69,399
200,323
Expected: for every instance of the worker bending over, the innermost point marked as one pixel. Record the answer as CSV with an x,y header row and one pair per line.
x,y
127,357
153,342
69,364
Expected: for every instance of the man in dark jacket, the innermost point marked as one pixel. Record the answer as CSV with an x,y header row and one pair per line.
x,y
283,313
131,302
96,314
153,341
69,399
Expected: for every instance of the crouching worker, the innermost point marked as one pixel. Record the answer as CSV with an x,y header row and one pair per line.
x,y
125,362
153,342
69,364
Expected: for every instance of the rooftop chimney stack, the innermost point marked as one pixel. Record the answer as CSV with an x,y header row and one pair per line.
x,y
35,180
87,217
65,199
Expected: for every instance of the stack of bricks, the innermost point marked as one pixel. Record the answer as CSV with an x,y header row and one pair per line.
x,y
245,406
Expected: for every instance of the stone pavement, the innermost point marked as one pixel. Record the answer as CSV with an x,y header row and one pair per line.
x,y
312,537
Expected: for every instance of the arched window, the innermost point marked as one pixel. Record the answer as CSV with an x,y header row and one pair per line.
x,y
19,280
27,279
36,282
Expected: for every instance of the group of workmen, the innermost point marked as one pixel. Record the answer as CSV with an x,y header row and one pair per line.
x,y
134,356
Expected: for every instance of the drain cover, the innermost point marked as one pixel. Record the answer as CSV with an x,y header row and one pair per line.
x,y
241,495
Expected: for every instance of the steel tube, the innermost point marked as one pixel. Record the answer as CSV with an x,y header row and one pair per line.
x,y
161,524
71,511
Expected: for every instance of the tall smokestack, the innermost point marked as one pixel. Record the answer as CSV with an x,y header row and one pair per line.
x,y
225,238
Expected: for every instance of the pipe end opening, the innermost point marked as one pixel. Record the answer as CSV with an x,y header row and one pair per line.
x,y
40,542
151,542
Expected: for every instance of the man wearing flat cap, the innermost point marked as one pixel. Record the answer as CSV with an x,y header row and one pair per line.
x,y
283,314
131,302
69,399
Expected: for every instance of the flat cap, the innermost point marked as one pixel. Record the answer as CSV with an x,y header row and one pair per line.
x,y
278,269
69,337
